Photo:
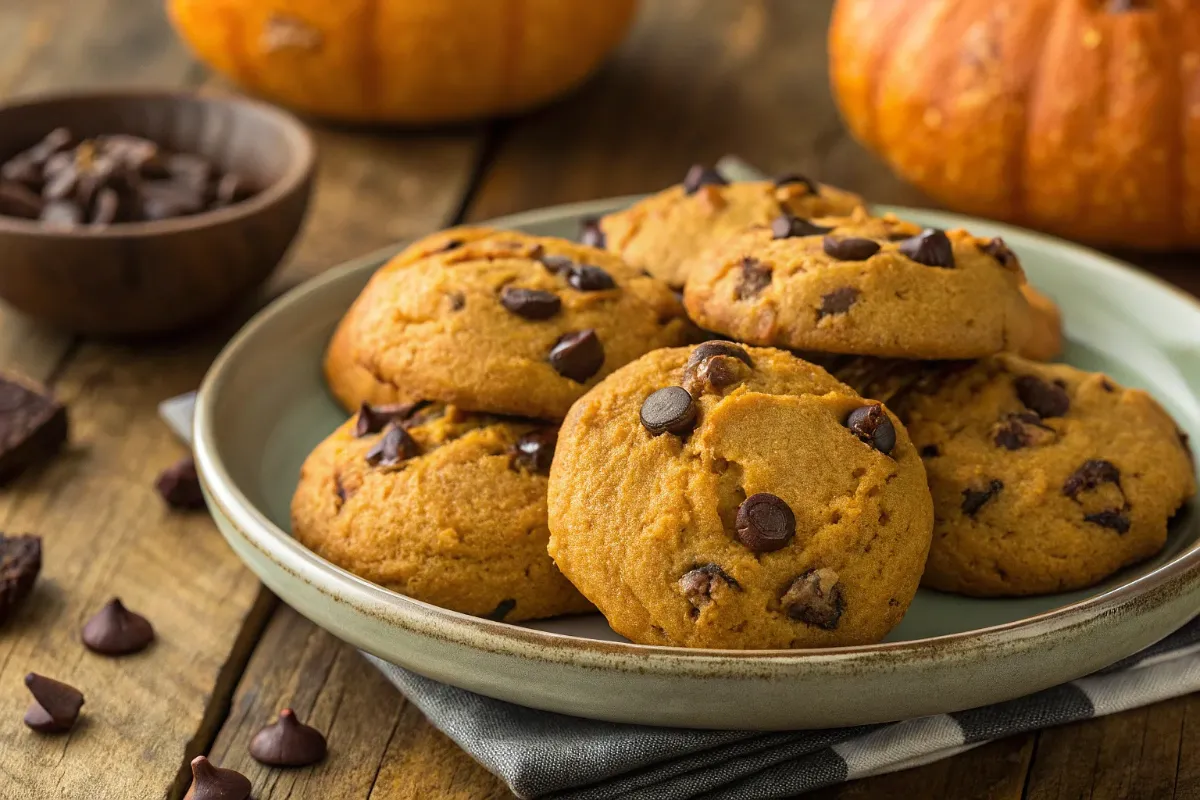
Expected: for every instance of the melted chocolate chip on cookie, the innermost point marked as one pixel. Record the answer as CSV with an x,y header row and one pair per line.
x,y
871,424
1044,399
765,523
755,277
849,248
698,583
975,499
815,598
534,451
578,355
531,304
930,247
838,301
393,448
669,410
787,227
699,175
1091,473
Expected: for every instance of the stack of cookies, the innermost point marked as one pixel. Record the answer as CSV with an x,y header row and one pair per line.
x,y
541,429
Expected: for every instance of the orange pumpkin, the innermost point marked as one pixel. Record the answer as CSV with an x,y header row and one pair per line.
x,y
1080,117
404,61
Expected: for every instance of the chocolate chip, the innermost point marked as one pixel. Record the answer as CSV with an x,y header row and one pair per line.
x,y
591,233
815,598
170,199
213,783
578,355
850,248
930,247
179,485
17,200
373,419
699,175
62,213
457,301
288,742
871,424
393,448
931,451
587,278
107,206
20,563
765,523
556,264
502,610
56,705
715,365
1017,431
754,278
533,304
792,177
697,584
117,631
1110,518
669,410
1091,474
534,451
452,244
787,227
997,249
974,499
1042,398
231,188
718,347
838,301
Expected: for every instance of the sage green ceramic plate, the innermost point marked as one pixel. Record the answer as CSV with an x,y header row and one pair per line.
x,y
263,406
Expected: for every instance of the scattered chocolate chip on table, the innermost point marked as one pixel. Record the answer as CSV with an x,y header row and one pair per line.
x,y
179,485
55,706
117,631
288,742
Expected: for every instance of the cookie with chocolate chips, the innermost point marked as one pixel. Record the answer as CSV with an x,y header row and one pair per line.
x,y
439,504
1044,478
738,497
662,233
862,285
498,322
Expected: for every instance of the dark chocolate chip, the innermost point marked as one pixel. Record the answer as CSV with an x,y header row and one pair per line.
x,y
556,264
1042,398
765,523
20,563
56,705
1110,518
754,278
587,278
393,448
532,304
930,247
697,584
452,244
1092,473
169,199
17,200
699,175
792,177
850,248
179,485
815,598
373,419
669,410
787,226
591,233
502,610
997,249
974,499
62,213
210,782
838,301
288,742
457,301
1017,430
717,347
117,631
871,424
931,451
534,451
578,355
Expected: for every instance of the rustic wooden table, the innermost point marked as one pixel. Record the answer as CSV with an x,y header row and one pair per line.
x,y
694,81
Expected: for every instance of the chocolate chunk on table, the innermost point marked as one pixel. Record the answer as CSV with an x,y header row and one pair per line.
x,y
20,563
33,426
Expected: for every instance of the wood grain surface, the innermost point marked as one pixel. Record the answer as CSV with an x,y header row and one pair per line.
x,y
696,79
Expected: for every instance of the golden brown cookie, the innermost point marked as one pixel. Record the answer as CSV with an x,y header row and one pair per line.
x,y
1044,478
730,497
498,321
438,504
663,232
1045,342
867,285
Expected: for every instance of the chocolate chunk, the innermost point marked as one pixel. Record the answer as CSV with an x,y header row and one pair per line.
x,y
714,365
373,419
451,244
56,705
1091,474
1042,398
754,278
578,355
787,227
457,301
213,783
33,427
534,451
997,249
62,213
871,424
931,451
850,248
974,499
179,485
288,742
502,610
815,598
16,200
117,631
699,175
20,563
587,278
393,448
765,523
1110,518
838,301
231,188
107,206
930,247
556,264
591,233
697,584
533,304
170,199
792,177
717,347
669,410
1017,431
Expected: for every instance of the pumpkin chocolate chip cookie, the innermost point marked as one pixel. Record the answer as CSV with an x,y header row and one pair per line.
x,y
661,233
861,284
730,497
498,321
1045,341
1044,478
438,504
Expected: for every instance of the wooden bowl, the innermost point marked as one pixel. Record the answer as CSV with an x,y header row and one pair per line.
x,y
151,277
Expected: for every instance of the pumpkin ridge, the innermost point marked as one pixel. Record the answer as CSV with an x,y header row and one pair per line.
x,y
1030,95
880,63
